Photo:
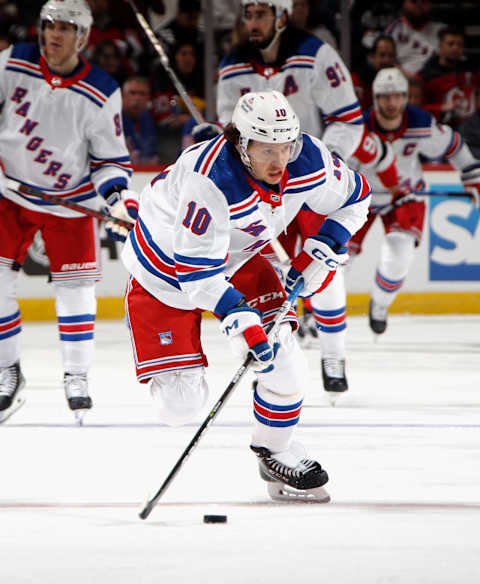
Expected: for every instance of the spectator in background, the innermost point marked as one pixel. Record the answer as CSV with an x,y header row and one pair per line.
x,y
415,35
450,80
15,20
115,22
109,58
415,92
138,125
382,55
169,110
184,27
470,128
303,17
5,37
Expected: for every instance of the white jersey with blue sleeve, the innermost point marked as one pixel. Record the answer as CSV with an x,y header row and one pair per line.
x,y
315,81
202,218
60,135
418,134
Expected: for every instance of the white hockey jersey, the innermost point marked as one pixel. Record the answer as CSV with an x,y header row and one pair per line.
x,y
418,134
414,47
205,216
60,135
312,75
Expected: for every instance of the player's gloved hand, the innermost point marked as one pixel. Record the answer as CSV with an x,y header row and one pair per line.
x,y
122,205
471,181
407,210
243,327
205,131
316,264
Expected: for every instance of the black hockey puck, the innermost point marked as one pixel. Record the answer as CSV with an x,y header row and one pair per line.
x,y
214,518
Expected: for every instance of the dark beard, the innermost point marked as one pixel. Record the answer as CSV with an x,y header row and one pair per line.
x,y
261,45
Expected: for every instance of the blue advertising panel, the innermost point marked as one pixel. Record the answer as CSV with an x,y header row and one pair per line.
x,y
454,244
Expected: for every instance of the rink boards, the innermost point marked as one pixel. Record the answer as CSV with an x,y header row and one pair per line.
x,y
445,276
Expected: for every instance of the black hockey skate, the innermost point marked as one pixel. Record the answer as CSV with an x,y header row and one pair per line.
x,y
12,382
76,392
377,317
298,479
334,380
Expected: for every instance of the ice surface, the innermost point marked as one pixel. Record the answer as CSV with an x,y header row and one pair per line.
x,y
402,449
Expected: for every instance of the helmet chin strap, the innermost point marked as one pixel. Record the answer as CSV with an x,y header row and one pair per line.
x,y
275,38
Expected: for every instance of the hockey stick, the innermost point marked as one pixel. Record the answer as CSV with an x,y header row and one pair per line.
x,y
157,45
22,189
271,330
385,209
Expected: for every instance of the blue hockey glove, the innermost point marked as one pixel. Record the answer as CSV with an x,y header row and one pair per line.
x,y
205,131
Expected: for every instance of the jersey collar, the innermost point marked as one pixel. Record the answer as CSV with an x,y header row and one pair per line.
x,y
389,135
57,81
269,196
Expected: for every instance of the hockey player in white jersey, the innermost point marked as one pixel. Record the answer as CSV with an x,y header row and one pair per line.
x,y
195,247
309,72
313,77
411,132
60,132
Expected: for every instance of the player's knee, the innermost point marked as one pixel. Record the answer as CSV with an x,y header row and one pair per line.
x,y
289,372
75,296
333,296
8,282
179,396
400,246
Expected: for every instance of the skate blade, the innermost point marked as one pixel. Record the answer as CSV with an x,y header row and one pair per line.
x,y
79,415
333,397
15,405
281,492
305,342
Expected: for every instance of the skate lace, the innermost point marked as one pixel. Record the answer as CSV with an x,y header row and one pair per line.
x,y
76,385
378,311
334,367
8,380
302,468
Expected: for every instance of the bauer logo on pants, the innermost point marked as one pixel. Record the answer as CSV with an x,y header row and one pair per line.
x,y
454,249
166,338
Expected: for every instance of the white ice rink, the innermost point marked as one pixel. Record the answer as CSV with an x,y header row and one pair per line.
x,y
402,450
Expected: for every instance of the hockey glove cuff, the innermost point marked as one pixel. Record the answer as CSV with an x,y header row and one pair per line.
x,y
243,328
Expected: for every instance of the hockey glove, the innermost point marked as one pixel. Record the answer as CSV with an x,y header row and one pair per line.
x,y
122,205
471,181
316,264
205,131
243,327
407,210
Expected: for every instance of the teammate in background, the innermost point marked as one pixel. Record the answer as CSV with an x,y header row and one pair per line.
x,y
309,72
196,246
411,132
316,82
60,132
